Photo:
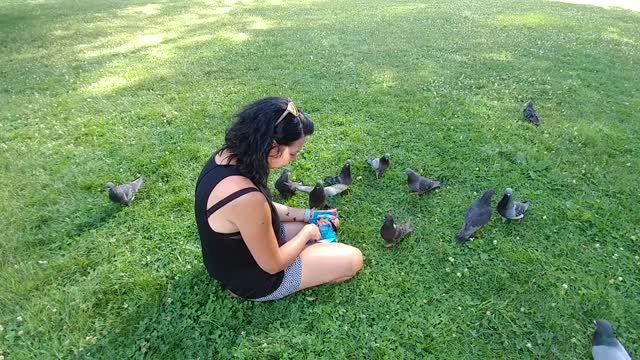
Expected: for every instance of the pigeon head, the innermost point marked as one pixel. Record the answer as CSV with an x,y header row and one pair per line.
x,y
110,185
604,334
386,157
409,171
388,219
348,163
486,197
319,185
504,202
508,192
603,327
529,104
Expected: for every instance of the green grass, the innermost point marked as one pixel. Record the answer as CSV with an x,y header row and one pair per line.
x,y
99,91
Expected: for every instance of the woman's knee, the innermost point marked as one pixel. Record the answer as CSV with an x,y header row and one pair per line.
x,y
355,260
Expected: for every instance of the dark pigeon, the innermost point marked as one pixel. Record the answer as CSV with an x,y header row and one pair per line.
x,y
530,113
478,215
419,185
284,185
343,178
605,346
124,194
510,209
392,233
317,198
379,165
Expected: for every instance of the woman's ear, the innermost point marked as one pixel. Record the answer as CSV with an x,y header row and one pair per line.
x,y
276,150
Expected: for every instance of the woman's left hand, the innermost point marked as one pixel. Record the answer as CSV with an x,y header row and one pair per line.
x,y
335,222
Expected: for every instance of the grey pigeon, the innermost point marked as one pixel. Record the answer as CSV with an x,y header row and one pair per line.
x,y
343,178
605,346
317,199
124,193
510,209
420,184
332,190
530,113
478,214
392,233
284,185
379,165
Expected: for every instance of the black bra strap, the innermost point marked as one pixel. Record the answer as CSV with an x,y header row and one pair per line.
x,y
229,198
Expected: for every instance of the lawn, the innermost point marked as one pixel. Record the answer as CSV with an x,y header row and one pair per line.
x,y
97,91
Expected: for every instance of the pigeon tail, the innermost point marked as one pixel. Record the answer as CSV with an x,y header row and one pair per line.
x,y
303,188
336,189
137,182
370,160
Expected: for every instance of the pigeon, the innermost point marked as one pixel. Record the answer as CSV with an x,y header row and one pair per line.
x,y
478,214
530,113
392,233
284,185
379,165
420,184
332,190
511,210
124,193
343,178
317,197
605,346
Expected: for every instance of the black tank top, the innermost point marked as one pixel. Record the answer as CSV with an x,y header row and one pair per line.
x,y
226,255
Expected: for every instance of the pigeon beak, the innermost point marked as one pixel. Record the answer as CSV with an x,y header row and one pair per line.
x,y
595,323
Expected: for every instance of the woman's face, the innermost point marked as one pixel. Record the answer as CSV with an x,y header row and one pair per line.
x,y
281,155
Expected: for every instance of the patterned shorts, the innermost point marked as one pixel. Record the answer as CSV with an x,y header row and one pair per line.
x,y
290,281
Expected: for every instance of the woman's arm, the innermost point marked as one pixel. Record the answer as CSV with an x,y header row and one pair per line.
x,y
290,214
294,214
252,215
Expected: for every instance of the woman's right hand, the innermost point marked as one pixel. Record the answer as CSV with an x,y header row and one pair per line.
x,y
312,232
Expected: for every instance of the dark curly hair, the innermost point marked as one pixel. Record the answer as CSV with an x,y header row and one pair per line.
x,y
251,136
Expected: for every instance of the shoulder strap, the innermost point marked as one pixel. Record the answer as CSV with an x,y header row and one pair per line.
x,y
229,198
227,170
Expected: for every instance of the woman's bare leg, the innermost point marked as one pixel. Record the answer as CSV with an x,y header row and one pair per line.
x,y
324,263
329,263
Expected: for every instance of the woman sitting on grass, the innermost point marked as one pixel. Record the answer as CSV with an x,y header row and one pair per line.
x,y
244,244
